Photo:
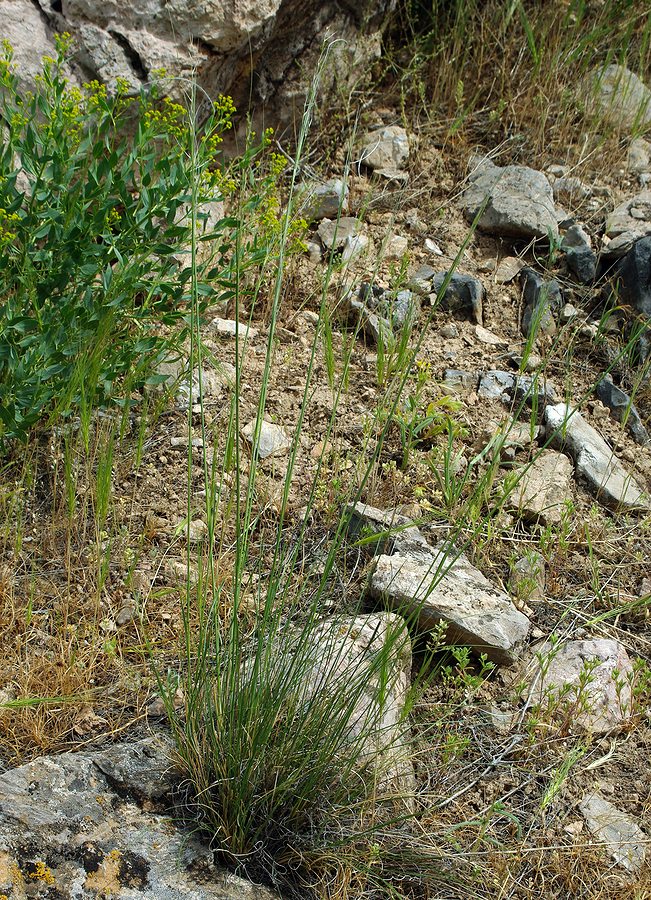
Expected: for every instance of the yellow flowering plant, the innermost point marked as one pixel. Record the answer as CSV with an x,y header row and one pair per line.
x,y
95,183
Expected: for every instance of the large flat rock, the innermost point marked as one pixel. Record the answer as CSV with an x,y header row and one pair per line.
x,y
439,584
595,461
82,825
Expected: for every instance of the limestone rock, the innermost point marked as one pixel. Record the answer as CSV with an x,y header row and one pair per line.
x,y
545,486
439,584
271,440
385,150
323,200
80,815
639,156
622,835
627,223
595,461
621,98
589,678
520,201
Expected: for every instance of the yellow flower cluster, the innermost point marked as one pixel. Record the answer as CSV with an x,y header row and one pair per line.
x,y
7,221
169,119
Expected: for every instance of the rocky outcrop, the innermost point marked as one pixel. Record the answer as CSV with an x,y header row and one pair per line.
x,y
266,51
88,825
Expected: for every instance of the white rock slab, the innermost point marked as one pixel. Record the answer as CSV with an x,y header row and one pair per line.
x,y
231,328
595,461
622,835
544,488
385,148
432,584
272,438
590,680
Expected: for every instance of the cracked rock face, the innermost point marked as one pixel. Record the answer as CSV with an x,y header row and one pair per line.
x,y
88,819
244,48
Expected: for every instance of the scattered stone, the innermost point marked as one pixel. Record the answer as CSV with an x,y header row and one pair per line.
x,y
335,232
518,201
89,817
457,381
622,408
527,578
194,389
421,280
627,223
571,190
462,294
126,613
396,246
488,337
579,255
380,311
620,833
386,150
635,276
545,486
450,331
314,252
354,245
324,200
392,530
594,459
439,584
509,388
621,98
541,298
599,411
231,328
568,313
272,439
590,679
639,156
508,269
432,247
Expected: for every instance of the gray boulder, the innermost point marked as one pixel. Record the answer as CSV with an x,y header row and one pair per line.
x,y
264,51
323,200
439,584
385,150
595,462
620,97
513,201
85,825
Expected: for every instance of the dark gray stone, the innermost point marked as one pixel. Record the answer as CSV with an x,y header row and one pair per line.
x,y
622,409
580,257
463,294
635,277
541,299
